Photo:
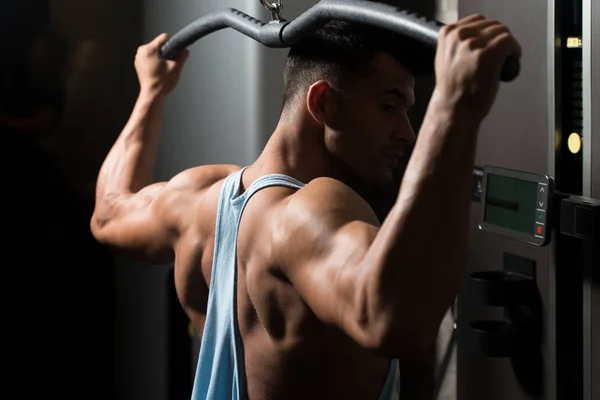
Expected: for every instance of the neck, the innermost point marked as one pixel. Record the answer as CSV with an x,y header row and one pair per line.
x,y
297,148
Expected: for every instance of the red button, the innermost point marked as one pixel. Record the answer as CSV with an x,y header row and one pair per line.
x,y
539,229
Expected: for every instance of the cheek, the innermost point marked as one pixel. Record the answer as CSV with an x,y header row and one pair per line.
x,y
347,146
360,128
358,135
370,126
357,151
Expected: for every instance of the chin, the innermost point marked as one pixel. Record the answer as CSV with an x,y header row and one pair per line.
x,y
377,177
381,179
386,180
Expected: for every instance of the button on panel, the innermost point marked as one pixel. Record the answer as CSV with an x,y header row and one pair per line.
x,y
540,217
542,197
540,230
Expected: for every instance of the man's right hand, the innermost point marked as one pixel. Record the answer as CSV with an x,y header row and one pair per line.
x,y
469,60
155,74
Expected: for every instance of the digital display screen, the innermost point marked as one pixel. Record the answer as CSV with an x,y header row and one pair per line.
x,y
511,203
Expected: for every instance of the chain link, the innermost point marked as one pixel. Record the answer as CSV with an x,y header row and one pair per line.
x,y
275,8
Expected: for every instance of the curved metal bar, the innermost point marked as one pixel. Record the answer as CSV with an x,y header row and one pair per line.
x,y
281,33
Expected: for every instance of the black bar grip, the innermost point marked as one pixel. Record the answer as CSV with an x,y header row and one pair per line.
x,y
229,18
365,12
285,34
381,15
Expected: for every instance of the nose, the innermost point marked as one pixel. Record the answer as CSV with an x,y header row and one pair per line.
x,y
404,131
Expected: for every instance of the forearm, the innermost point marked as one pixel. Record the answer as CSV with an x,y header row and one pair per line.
x,y
419,255
129,166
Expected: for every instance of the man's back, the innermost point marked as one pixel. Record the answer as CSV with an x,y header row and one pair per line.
x,y
287,352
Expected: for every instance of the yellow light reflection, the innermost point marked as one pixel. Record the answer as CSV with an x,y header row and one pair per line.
x,y
574,143
574,43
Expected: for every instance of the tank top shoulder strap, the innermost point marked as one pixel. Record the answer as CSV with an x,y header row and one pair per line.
x,y
266,181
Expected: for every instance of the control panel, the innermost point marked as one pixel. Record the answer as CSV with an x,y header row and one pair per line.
x,y
516,204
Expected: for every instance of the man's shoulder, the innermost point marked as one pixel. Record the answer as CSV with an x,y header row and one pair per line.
x,y
330,198
333,196
324,215
288,228
204,176
198,189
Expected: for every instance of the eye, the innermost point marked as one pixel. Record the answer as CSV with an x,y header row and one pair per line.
x,y
388,108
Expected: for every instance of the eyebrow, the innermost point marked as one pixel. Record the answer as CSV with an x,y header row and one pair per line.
x,y
402,94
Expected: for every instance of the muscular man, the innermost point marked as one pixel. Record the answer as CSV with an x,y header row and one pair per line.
x,y
300,293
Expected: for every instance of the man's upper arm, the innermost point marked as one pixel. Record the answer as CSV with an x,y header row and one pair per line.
x,y
149,221
328,230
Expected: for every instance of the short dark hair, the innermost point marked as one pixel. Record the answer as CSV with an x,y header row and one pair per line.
x,y
340,50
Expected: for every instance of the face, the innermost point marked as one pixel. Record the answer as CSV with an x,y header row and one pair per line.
x,y
368,129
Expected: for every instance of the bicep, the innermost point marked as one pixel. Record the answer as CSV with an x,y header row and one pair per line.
x,y
150,221
138,222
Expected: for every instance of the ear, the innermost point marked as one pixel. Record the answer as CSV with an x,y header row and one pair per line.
x,y
321,102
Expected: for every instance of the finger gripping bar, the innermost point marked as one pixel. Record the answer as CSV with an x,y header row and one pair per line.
x,y
279,34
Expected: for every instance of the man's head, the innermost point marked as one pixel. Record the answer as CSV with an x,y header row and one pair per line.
x,y
356,82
